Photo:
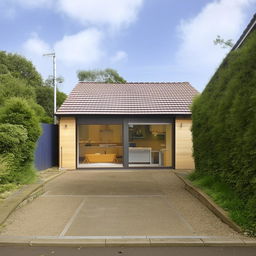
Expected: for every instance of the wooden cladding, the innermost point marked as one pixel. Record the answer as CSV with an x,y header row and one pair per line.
x,y
67,155
183,148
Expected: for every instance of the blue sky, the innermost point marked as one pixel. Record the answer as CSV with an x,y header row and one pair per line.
x,y
144,40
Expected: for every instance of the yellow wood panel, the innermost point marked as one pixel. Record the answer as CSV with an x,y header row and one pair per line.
x,y
184,158
168,152
67,135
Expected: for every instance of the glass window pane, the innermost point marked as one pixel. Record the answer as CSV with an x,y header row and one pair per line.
x,y
150,145
100,146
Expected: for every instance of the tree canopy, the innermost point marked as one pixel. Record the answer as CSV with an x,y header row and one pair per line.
x,y
19,67
105,76
19,78
49,80
44,97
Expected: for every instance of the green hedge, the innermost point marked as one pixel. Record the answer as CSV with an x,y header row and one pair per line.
x,y
224,123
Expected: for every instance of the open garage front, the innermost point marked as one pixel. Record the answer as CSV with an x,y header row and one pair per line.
x,y
126,125
124,142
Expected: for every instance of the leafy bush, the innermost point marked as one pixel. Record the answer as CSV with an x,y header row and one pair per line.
x,y
11,137
5,185
19,133
224,123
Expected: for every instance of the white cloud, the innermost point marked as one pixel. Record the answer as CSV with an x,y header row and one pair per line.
x,y
74,52
101,12
33,49
197,56
119,56
84,47
114,13
36,46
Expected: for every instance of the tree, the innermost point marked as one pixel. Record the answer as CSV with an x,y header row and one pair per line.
x,y
223,43
11,87
19,78
21,68
105,76
44,97
49,80
14,87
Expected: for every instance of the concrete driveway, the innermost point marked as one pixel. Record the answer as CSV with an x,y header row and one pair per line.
x,y
117,203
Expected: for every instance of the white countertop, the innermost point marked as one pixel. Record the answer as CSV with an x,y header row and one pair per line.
x,y
139,148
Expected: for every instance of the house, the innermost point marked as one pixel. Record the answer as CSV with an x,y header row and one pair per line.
x,y
127,125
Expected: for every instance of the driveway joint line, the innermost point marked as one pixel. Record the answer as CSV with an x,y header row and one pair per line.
x,y
107,196
178,214
71,220
45,193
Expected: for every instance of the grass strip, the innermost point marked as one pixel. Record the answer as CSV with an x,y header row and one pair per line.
x,y
239,210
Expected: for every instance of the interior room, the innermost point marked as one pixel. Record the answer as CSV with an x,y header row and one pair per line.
x,y
100,146
150,145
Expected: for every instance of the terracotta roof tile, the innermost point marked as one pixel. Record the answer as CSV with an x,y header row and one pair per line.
x,y
129,98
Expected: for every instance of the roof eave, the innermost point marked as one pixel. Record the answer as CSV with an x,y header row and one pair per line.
x,y
121,113
246,32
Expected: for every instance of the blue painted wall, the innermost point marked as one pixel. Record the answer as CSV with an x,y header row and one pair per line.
x,y
46,154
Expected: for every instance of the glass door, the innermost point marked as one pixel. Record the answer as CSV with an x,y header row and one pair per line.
x,y
150,145
100,146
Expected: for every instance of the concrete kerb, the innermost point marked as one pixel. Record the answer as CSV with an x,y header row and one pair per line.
x,y
24,195
207,201
125,242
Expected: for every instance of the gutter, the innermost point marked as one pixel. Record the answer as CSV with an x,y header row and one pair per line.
x,y
241,40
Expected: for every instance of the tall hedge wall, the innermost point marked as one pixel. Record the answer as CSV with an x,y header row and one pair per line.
x,y
224,122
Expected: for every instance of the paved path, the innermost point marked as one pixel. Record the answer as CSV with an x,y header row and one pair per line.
x,y
105,204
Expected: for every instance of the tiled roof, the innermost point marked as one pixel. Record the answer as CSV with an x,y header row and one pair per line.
x,y
129,98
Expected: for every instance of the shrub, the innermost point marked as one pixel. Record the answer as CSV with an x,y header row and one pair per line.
x,y
11,137
20,138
